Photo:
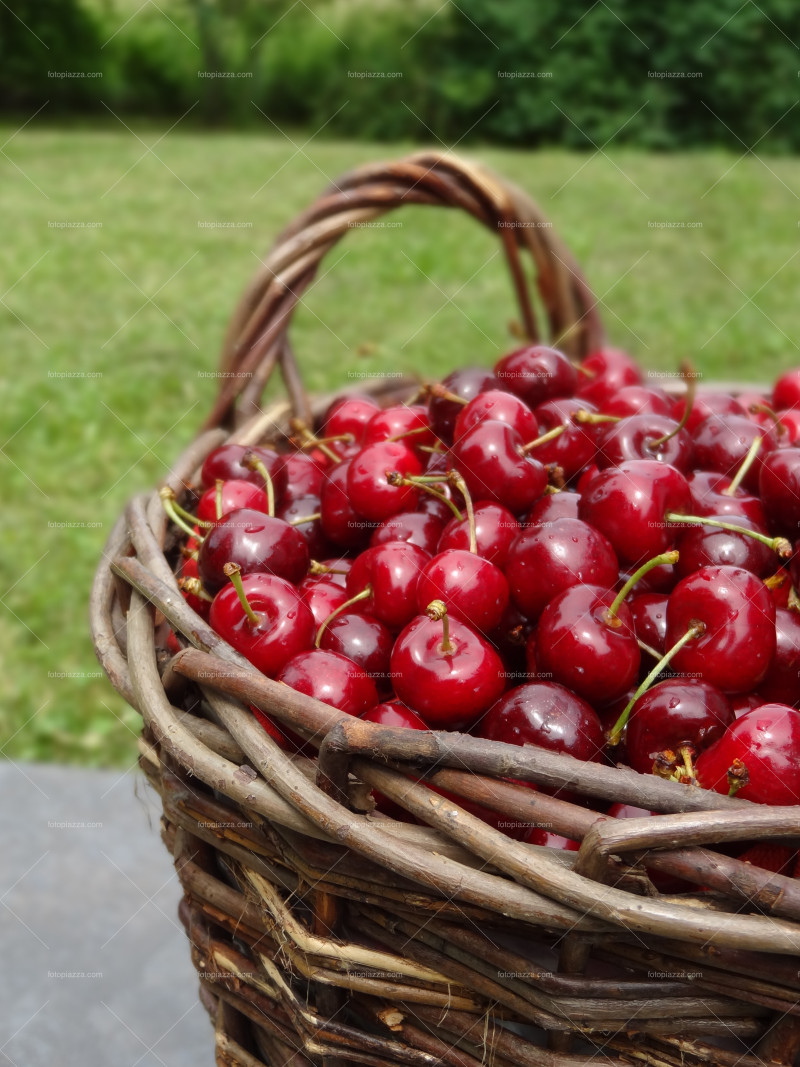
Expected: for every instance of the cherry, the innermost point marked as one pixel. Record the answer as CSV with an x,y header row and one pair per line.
x,y
500,406
549,839
192,588
712,494
705,404
226,462
463,385
322,597
580,645
396,714
473,589
340,523
350,415
331,678
286,739
645,436
711,545
649,614
416,527
781,684
629,503
548,715
263,617
722,445
770,857
537,373
304,477
779,487
569,444
673,721
736,609
544,560
258,543
637,400
303,514
491,459
744,702
445,671
228,496
407,422
604,372
757,758
391,572
495,531
371,494
365,641
786,391
562,505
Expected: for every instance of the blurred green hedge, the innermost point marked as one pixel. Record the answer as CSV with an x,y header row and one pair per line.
x,y
567,72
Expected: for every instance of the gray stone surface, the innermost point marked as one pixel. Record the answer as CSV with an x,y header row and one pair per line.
x,y
95,963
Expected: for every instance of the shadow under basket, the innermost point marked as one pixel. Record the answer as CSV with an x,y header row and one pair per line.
x,y
326,933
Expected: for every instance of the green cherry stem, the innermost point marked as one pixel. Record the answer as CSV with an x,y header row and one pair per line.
x,y
697,629
457,481
305,518
442,393
656,561
765,409
744,466
253,463
778,544
437,611
179,516
309,440
365,594
545,437
593,418
427,483
234,572
195,587
218,498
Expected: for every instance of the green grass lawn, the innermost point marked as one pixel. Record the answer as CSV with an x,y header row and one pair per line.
x,y
136,300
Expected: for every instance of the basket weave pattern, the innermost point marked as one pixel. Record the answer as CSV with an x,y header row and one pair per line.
x,y
326,934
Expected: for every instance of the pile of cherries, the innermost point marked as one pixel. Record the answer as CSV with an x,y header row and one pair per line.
x,y
546,554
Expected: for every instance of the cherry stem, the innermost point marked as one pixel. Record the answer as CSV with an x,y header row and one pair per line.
x,y
441,393
697,629
765,409
409,433
365,594
253,463
776,580
426,483
593,418
305,518
310,440
177,513
195,587
549,436
437,611
315,567
689,375
778,544
738,776
687,754
648,648
656,561
457,481
218,498
234,572
744,467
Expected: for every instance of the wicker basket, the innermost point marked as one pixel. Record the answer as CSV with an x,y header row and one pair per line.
x,y
324,933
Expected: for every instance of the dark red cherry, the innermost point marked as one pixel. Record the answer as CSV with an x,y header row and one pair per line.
x,y
490,459
350,415
643,437
370,493
649,614
537,373
473,589
395,714
294,509
547,715
331,678
761,750
234,494
322,597
341,524
466,384
575,447
710,497
604,372
779,487
284,626
704,546
544,560
304,477
580,647
738,613
786,391
365,641
391,571
706,403
258,543
721,444
495,531
225,462
673,714
744,702
409,422
629,504
417,527
637,400
552,506
782,682
500,406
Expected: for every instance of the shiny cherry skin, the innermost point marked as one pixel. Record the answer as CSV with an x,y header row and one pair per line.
x,y
537,835
465,383
552,506
708,546
392,571
767,742
225,462
395,714
789,431
236,493
744,702
341,524
301,507
576,447
398,421
629,503
331,678
604,372
782,682
545,560
640,437
537,373
500,406
350,415
450,689
286,625
322,597
473,589
365,641
258,543
786,391
779,488
495,532
370,493
680,711
738,613
578,647
490,459
709,497
722,444
548,715
637,400
707,403
417,527
649,614
304,477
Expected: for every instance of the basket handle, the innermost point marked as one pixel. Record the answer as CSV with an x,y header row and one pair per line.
x,y
257,341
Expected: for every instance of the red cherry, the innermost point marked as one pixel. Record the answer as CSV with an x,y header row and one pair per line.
x,y
580,647
563,505
365,641
472,588
547,838
322,597
445,671
704,546
779,487
786,391
637,400
781,684
738,613
417,527
495,531
644,437
394,713
721,444
411,422
744,702
305,508
281,625
197,603
391,571
491,460
574,445
370,493
340,522
761,750
258,543
604,372
304,477
234,494
649,614
350,415
706,404
465,384
331,678
225,462
710,496
500,406
544,560
537,373
547,715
